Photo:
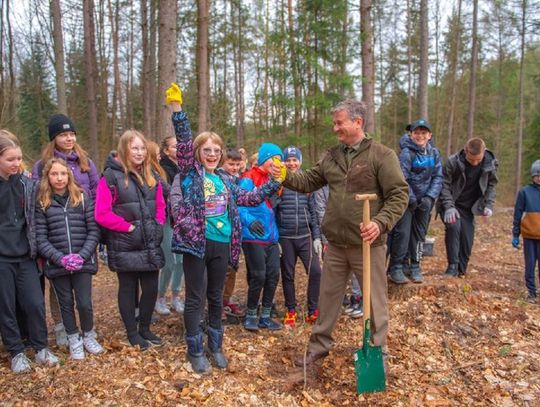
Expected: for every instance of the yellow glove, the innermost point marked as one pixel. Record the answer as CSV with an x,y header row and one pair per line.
x,y
174,94
282,169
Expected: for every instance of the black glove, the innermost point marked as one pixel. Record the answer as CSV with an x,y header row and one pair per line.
x,y
412,205
257,228
425,204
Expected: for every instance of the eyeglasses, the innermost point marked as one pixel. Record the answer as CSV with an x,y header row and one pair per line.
x,y
211,151
137,149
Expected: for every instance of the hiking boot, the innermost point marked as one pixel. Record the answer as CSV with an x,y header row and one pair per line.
x,y
269,323
451,271
396,275
45,357
531,298
91,345
415,274
250,323
145,333
195,354
232,309
138,340
310,358
178,305
161,307
76,347
20,363
60,335
290,318
215,344
312,316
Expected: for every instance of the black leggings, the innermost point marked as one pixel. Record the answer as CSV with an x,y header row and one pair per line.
x,y
207,274
128,282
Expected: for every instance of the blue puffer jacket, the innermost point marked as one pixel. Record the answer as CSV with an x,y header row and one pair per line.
x,y
422,168
296,216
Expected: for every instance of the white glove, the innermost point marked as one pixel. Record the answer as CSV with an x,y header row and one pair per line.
x,y
317,247
487,212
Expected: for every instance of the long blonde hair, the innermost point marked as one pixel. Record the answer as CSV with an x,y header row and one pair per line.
x,y
48,153
46,193
153,155
8,140
123,156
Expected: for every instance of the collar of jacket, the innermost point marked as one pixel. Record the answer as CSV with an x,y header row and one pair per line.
x,y
338,152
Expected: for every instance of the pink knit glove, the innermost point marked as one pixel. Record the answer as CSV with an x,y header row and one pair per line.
x,y
72,262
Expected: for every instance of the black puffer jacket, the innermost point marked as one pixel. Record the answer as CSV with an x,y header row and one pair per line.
x,y
140,249
296,216
62,229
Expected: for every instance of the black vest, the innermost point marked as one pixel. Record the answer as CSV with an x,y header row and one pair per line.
x,y
140,249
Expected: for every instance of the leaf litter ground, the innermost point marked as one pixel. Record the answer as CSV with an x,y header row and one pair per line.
x,y
452,342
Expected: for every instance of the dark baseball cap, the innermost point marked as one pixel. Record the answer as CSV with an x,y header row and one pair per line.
x,y
419,123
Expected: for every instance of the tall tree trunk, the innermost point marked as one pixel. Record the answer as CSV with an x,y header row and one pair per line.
x,y
90,73
294,71
10,100
409,63
521,117
454,70
424,62
58,45
368,70
146,85
152,78
166,62
203,73
117,91
3,96
240,104
474,65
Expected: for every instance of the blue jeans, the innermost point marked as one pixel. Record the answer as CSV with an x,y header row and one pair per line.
x,y
531,250
173,269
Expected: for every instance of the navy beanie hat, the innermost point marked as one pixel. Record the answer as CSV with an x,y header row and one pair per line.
x,y
292,151
268,150
60,123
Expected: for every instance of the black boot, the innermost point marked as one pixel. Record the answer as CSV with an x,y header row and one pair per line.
x,y
452,270
144,331
136,339
195,354
215,342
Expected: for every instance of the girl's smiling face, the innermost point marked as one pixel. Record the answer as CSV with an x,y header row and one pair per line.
x,y
210,153
10,161
137,152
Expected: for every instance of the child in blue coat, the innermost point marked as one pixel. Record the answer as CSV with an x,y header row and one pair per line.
x,y
527,224
422,167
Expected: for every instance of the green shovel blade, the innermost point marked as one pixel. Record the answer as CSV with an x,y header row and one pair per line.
x,y
369,366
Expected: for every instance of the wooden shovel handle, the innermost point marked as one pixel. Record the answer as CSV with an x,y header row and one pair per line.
x,y
366,256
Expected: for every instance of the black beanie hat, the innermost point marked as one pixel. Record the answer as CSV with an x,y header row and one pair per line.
x,y
59,123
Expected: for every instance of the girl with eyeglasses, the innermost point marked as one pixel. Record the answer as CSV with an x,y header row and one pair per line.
x,y
207,230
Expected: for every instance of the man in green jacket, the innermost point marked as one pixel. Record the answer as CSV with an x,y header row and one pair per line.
x,y
357,165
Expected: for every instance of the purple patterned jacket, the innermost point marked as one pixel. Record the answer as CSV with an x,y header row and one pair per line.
x,y
187,198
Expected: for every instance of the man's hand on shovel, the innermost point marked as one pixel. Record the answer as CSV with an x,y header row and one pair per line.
x,y
370,232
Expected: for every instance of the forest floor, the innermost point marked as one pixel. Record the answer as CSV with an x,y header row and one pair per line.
x,y
452,342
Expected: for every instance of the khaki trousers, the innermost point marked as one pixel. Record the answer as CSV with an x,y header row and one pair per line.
x,y
339,263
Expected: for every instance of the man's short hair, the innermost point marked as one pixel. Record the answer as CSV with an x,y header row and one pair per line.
x,y
232,154
475,146
355,108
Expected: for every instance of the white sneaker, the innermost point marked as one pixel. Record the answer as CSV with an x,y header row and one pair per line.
x,y
45,357
76,348
20,363
60,335
178,305
161,307
91,344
